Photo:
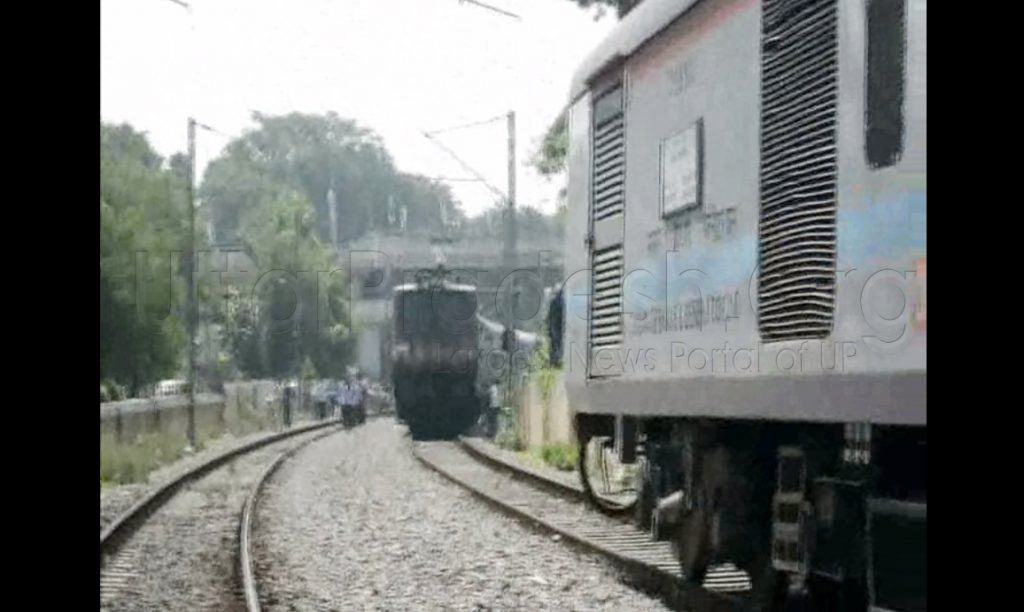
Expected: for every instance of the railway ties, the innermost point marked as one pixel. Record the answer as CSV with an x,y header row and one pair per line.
x,y
119,577
186,532
558,508
722,578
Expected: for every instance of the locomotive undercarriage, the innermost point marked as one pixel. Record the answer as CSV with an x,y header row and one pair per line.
x,y
793,505
436,405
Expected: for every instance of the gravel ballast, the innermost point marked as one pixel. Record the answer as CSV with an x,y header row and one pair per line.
x,y
354,522
185,556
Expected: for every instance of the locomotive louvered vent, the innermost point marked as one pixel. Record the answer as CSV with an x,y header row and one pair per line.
x,y
609,156
799,63
606,299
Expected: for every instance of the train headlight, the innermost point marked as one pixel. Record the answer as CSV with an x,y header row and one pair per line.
x,y
402,348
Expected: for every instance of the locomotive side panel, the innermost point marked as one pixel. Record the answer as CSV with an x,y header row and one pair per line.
x,y
577,264
704,331
692,192
747,320
882,212
694,83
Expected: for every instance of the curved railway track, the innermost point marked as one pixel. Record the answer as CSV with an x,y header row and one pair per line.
x,y
121,563
246,565
246,555
557,507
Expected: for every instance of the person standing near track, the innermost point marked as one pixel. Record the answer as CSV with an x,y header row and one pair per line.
x,y
357,401
493,407
342,399
341,396
349,402
347,406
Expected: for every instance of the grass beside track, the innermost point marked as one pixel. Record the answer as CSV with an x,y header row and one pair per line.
x,y
560,455
132,461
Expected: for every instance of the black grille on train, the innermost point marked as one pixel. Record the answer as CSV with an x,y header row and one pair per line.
x,y
609,167
799,95
606,299
607,207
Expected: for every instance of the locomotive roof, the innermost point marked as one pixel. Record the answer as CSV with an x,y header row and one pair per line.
x,y
446,286
637,27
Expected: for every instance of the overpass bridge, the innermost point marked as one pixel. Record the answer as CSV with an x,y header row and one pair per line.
x,y
377,262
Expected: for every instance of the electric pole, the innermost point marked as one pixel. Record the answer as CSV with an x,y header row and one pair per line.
x,y
332,213
191,305
510,251
510,246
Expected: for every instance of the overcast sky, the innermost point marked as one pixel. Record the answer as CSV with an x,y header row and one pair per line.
x,y
396,66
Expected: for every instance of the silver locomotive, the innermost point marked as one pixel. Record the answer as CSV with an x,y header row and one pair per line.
x,y
745,332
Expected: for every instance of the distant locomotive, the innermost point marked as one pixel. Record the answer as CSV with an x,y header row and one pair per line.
x,y
434,364
747,191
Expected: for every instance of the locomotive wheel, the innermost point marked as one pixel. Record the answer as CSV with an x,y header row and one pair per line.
x,y
439,407
771,589
731,523
694,546
417,428
430,427
606,505
698,540
646,501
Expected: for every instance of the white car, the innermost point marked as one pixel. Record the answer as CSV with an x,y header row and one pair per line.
x,y
170,388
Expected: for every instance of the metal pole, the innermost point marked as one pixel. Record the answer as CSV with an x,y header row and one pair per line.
x,y
295,398
191,306
510,250
512,182
332,210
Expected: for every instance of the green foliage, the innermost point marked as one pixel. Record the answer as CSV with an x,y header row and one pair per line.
x,y
507,439
309,154
110,391
550,159
560,455
143,227
542,371
294,310
133,461
268,193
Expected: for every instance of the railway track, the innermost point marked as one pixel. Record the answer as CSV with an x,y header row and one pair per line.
x,y
125,565
246,564
557,507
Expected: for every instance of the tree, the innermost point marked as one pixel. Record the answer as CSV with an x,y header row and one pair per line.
x,y
621,7
178,165
293,309
310,153
143,226
550,159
